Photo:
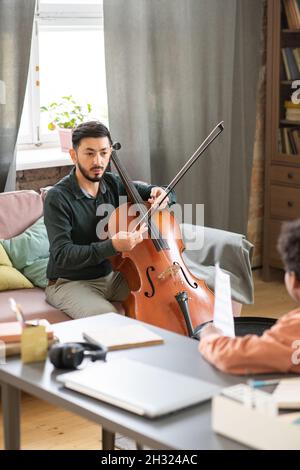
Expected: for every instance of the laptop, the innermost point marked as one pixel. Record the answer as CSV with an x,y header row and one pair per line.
x,y
137,387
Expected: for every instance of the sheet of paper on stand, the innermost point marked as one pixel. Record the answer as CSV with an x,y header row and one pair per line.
x,y
223,316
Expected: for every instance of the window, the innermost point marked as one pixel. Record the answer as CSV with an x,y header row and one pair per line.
x,y
67,58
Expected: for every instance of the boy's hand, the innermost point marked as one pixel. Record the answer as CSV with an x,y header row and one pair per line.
x,y
210,329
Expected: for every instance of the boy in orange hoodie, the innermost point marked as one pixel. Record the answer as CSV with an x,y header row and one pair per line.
x,y
278,349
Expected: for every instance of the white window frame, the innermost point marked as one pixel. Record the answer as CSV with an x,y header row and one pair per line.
x,y
53,17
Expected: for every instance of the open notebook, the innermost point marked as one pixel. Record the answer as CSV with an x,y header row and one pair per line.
x,y
122,337
137,387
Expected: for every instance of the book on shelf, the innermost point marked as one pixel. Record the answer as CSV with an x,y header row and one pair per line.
x,y
296,137
289,141
292,115
123,337
292,112
290,64
292,142
286,65
286,141
288,104
292,12
296,54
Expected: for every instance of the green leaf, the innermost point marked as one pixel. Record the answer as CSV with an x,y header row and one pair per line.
x,y
66,113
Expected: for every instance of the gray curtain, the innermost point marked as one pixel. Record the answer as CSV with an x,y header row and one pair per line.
x,y
174,69
16,20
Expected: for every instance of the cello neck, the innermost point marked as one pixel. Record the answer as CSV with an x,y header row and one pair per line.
x,y
131,190
135,198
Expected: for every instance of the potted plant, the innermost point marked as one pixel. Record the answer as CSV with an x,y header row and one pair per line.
x,y
64,116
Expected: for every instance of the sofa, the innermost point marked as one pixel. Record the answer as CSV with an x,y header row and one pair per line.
x,y
18,211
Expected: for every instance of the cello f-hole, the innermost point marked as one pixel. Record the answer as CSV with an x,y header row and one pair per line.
x,y
194,285
151,294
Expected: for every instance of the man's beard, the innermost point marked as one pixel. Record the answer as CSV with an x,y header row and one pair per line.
x,y
93,179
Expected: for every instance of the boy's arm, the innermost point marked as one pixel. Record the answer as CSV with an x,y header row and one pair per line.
x,y
271,352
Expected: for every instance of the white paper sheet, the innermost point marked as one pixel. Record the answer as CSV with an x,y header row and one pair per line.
x,y
223,316
2,92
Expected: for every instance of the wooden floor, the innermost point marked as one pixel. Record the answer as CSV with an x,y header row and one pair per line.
x,y
47,427
270,298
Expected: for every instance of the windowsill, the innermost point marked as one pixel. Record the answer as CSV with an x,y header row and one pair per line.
x,y
42,158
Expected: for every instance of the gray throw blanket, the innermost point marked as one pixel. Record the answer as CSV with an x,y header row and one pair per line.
x,y
231,250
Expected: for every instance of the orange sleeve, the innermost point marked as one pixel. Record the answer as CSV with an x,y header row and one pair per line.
x,y
274,351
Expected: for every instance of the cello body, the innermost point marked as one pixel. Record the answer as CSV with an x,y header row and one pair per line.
x,y
157,276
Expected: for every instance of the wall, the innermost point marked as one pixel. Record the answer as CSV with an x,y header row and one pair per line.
x,y
41,177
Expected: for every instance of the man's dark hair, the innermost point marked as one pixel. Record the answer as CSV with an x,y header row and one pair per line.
x,y
289,246
89,129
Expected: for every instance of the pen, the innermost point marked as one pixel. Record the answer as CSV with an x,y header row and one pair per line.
x,y
262,383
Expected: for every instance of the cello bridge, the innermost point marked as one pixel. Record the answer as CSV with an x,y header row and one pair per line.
x,y
170,271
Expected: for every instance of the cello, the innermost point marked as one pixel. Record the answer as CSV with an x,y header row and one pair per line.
x,y
163,291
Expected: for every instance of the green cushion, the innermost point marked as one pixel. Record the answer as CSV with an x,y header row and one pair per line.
x,y
36,272
29,246
29,252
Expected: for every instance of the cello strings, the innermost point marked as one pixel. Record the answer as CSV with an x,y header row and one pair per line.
x,y
135,196
152,229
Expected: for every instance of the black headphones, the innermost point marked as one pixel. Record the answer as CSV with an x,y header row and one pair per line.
x,y
71,355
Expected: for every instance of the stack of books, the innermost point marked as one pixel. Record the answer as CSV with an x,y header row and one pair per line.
x,y
10,336
292,112
292,11
289,137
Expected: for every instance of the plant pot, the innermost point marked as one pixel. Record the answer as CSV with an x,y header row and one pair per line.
x,y
65,137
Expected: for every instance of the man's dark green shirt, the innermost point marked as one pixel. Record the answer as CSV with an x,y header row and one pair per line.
x,y
71,219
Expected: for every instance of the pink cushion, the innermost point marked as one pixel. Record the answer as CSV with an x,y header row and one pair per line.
x,y
19,210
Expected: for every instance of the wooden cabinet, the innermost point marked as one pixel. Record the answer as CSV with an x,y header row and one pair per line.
x,y
284,202
282,169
